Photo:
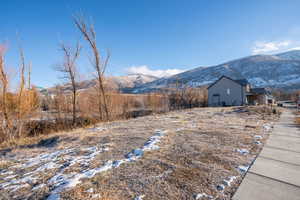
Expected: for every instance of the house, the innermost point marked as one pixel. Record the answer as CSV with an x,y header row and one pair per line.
x,y
229,92
259,96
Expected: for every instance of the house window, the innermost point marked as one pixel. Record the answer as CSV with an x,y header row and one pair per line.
x,y
228,91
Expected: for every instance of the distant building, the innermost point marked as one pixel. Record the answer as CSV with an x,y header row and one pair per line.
x,y
229,92
260,96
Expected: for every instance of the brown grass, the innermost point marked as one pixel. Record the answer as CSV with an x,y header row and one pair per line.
x,y
191,160
80,193
297,120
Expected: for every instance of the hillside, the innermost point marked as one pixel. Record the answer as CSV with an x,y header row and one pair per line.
x,y
277,71
112,82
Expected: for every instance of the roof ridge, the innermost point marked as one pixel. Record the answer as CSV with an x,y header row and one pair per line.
x,y
234,80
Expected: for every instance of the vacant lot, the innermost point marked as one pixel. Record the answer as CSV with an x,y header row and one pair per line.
x,y
192,154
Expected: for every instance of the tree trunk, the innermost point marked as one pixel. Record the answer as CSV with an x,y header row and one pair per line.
x,y
74,106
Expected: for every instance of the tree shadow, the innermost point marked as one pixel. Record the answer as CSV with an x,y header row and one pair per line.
x,y
48,143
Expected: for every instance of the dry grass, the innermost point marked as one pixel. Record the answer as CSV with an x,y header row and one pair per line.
x,y
197,154
297,120
80,193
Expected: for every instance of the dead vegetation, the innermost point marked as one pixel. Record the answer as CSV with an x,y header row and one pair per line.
x,y
16,107
199,151
297,120
69,70
89,34
25,112
66,111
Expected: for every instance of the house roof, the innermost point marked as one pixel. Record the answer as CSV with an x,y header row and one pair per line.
x,y
259,91
242,82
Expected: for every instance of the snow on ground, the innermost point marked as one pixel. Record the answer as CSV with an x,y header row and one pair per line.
x,y
258,137
226,183
242,151
139,197
220,154
63,181
203,195
243,169
268,127
229,180
96,129
62,160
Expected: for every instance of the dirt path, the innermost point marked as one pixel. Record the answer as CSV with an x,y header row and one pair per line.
x,y
191,154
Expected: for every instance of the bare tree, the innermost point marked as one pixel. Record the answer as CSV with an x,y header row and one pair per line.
x,y
4,87
20,92
89,35
68,68
29,76
16,108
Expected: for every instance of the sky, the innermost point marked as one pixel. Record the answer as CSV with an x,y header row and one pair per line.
x,y
155,37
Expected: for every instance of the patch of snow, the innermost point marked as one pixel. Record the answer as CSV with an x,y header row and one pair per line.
x,y
243,169
97,129
39,186
220,187
91,190
7,173
134,154
94,196
151,143
230,180
258,142
9,177
47,157
62,181
54,196
179,129
243,151
267,127
203,195
84,160
258,137
50,165
139,197
14,188
49,161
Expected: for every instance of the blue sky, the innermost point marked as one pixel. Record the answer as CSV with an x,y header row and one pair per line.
x,y
157,37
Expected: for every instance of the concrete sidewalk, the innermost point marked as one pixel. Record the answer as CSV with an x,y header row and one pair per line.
x,y
276,172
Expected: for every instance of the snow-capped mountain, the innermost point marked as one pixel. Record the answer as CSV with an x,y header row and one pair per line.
x,y
111,82
276,71
290,55
131,80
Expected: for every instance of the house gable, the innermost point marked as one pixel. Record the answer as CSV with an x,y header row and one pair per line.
x,y
226,91
221,78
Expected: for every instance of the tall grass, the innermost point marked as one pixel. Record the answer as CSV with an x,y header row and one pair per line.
x,y
55,112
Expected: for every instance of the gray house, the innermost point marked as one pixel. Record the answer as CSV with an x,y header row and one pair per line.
x,y
229,92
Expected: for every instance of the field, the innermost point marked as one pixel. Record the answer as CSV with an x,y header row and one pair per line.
x,y
199,153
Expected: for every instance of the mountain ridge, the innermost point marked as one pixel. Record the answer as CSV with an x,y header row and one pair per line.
x,y
112,83
280,70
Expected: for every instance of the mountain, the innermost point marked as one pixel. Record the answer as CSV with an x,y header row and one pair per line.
x,y
290,55
276,71
131,80
112,82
